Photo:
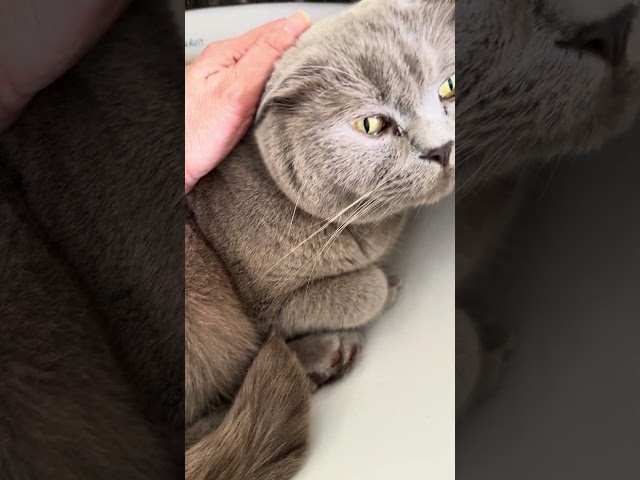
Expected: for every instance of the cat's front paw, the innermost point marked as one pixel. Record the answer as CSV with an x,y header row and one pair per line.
x,y
393,291
327,356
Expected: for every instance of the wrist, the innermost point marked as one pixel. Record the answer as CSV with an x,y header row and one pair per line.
x,y
190,179
189,183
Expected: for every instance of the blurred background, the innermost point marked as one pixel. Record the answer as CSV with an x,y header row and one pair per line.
x,y
569,403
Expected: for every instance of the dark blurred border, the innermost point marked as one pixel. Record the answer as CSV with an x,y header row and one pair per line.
x,y
190,4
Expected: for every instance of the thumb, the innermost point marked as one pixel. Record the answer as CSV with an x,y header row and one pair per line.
x,y
256,66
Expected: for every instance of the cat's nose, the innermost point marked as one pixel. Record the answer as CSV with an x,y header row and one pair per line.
x,y
607,38
439,155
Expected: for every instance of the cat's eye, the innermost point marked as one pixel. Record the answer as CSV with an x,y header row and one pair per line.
x,y
370,125
447,90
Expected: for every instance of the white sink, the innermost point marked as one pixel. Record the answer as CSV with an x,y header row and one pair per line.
x,y
206,25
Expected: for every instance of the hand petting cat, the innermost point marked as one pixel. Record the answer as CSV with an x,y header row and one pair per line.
x,y
223,87
40,40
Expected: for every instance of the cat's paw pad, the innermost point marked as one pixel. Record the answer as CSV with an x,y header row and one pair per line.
x,y
393,292
336,364
327,357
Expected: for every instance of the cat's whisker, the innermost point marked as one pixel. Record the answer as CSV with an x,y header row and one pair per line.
x,y
345,224
312,261
500,162
471,139
295,208
326,224
383,217
358,213
315,262
361,211
552,173
473,181
483,168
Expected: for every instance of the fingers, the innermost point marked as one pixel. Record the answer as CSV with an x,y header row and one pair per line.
x,y
247,40
223,88
226,53
281,33
258,63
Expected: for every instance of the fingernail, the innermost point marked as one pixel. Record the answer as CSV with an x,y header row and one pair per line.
x,y
297,24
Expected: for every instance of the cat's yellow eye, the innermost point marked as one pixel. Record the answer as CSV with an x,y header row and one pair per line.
x,y
370,125
447,90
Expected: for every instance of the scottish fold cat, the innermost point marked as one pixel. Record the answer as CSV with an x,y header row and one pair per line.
x,y
356,128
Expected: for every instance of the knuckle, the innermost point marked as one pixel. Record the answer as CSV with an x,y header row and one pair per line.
x,y
212,49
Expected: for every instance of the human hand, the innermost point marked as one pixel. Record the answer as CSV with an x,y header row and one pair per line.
x,y
40,40
223,87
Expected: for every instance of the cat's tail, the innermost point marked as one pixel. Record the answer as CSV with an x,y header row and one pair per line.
x,y
265,434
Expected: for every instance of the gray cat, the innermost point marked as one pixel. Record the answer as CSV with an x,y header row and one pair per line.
x,y
541,80
355,128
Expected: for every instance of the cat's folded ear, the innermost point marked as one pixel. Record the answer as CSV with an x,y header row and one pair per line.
x,y
265,101
284,92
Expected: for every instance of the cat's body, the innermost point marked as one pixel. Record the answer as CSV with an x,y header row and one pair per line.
x,y
91,267
527,100
301,213
270,267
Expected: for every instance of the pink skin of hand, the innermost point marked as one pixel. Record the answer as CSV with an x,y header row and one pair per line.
x,y
223,87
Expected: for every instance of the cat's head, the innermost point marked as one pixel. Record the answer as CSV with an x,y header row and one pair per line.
x,y
542,78
362,108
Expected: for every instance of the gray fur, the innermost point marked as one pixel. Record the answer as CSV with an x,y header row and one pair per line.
x,y
524,102
302,212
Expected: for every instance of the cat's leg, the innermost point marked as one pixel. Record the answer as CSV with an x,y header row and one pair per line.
x,y
327,356
344,302
394,286
324,319
220,340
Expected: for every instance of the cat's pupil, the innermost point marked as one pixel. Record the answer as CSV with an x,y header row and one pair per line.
x,y
450,83
367,126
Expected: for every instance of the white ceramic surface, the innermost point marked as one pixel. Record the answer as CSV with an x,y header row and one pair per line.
x,y
393,416
206,25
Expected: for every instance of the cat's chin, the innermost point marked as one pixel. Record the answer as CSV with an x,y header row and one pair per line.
x,y
433,195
